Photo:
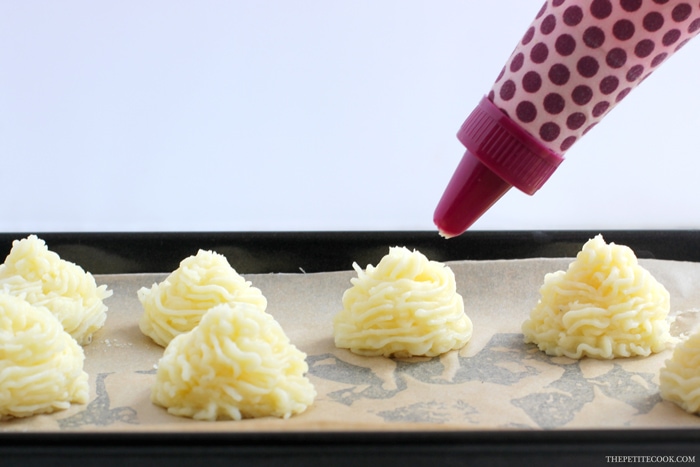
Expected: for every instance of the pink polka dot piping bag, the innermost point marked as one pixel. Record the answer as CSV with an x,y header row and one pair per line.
x,y
575,62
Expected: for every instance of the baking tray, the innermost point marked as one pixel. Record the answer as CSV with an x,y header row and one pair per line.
x,y
270,252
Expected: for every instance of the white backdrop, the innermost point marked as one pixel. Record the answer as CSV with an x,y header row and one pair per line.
x,y
141,115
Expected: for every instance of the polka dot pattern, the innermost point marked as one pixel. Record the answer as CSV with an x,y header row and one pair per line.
x,y
579,59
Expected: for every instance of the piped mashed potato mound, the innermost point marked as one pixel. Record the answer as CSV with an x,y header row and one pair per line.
x,y
406,306
237,363
41,365
202,281
34,273
605,305
679,379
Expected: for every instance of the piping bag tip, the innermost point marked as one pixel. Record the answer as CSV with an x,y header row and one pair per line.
x,y
499,155
473,189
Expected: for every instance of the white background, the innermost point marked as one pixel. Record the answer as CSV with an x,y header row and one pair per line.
x,y
277,115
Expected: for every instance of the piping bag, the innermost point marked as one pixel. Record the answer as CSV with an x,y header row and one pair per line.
x,y
576,61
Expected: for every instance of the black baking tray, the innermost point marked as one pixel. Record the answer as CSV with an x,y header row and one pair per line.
x,y
290,252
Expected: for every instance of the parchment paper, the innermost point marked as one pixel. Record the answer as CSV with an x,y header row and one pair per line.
x,y
495,383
